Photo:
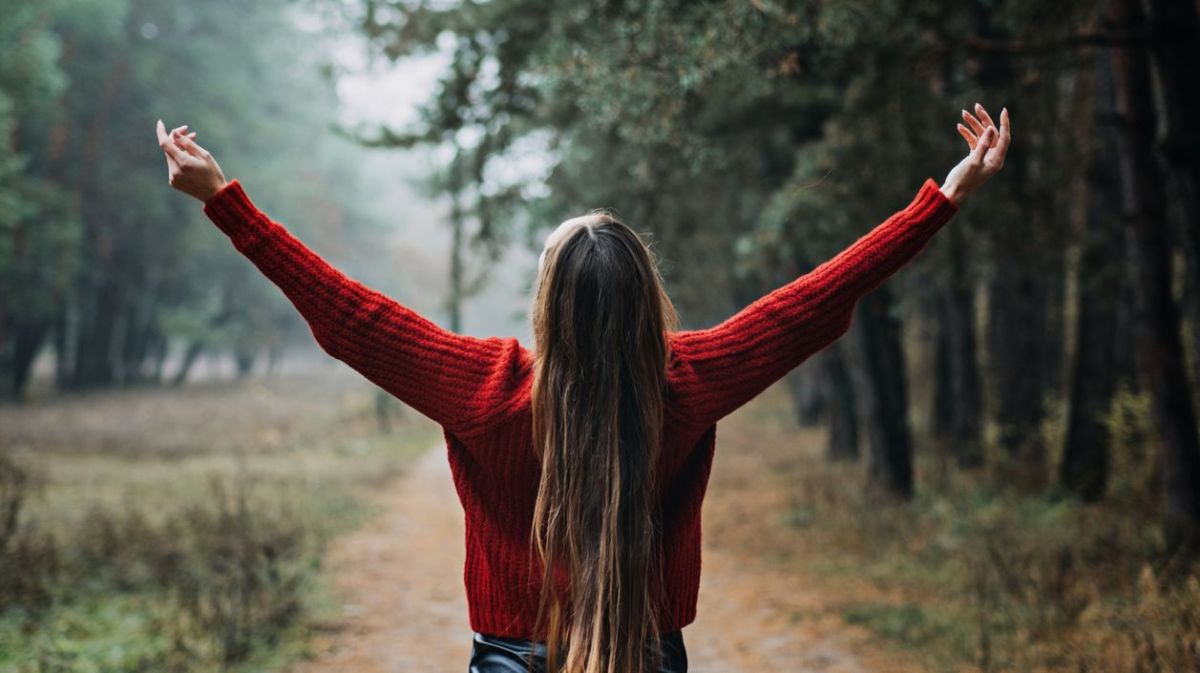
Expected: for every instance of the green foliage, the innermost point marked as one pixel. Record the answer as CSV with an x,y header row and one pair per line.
x,y
92,239
913,624
39,228
781,129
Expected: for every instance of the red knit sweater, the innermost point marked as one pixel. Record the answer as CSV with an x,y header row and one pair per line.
x,y
478,389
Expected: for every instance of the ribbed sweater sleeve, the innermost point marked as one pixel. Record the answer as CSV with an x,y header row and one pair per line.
x,y
454,379
716,370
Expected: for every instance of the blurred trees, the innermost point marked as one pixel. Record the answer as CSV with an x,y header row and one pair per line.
x,y
39,229
100,260
755,139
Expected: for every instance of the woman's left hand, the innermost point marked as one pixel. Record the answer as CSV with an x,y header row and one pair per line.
x,y
190,168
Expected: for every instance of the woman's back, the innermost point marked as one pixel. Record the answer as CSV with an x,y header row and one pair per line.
x,y
478,389
496,473
710,373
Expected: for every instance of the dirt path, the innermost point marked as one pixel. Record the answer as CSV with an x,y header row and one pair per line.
x,y
400,578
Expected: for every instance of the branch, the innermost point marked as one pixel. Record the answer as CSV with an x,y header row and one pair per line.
x,y
1066,43
384,136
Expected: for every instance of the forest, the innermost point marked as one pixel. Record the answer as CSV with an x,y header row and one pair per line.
x,y
1006,438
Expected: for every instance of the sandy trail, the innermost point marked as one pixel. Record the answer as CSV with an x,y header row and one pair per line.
x,y
400,578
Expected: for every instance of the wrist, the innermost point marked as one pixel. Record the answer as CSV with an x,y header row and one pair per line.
x,y
953,192
213,190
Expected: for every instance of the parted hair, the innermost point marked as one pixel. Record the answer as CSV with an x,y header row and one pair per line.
x,y
600,318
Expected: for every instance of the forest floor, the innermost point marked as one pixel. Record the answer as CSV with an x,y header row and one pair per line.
x,y
399,578
773,594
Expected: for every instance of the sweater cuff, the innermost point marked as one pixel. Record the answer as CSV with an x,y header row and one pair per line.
x,y
233,212
932,203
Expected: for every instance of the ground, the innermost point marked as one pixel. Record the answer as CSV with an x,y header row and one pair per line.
x,y
404,606
398,578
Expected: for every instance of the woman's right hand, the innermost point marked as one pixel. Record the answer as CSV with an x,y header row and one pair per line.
x,y
190,168
988,145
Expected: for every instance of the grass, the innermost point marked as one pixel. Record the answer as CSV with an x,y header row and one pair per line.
x,y
198,553
974,576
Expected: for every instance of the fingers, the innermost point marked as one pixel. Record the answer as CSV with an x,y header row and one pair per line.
x,y
172,151
975,125
983,115
981,148
970,137
995,158
163,139
190,146
1005,132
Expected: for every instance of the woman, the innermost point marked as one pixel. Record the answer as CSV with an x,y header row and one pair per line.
x,y
581,466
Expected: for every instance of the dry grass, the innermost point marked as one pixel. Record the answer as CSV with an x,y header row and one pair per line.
x,y
182,530
973,576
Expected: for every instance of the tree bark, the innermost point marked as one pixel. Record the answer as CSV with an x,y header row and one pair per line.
x,y
1161,348
1101,278
839,405
807,385
1175,52
457,222
881,390
1016,329
104,297
1020,292
959,395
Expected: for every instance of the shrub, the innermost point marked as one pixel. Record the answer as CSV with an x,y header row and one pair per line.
x,y
29,558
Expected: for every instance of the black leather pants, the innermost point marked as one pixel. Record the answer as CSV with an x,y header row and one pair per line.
x,y
493,654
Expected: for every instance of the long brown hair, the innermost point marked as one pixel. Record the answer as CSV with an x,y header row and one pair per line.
x,y
600,322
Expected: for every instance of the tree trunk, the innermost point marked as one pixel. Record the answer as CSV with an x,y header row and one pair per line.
x,y
94,358
881,391
1016,329
63,332
457,222
28,336
1020,292
959,385
808,387
160,350
1176,51
243,362
1161,346
839,404
102,299
1085,462
194,349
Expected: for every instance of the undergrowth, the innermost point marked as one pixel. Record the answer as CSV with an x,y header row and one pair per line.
x,y
202,563
979,576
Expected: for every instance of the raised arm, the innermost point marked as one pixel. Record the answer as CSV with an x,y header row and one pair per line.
x,y
457,380
716,370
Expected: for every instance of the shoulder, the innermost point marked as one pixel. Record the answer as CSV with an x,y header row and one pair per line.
x,y
505,392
